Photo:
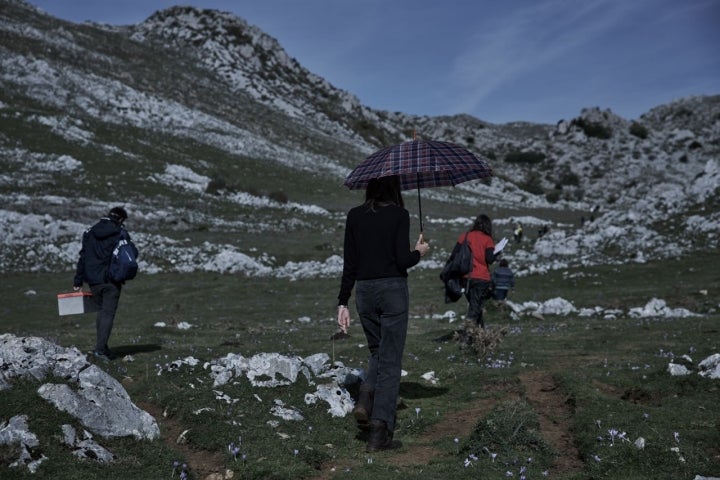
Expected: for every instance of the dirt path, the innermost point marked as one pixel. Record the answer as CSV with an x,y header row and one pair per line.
x,y
541,391
457,424
203,464
420,450
555,416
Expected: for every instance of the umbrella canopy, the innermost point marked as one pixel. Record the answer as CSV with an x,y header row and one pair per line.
x,y
420,164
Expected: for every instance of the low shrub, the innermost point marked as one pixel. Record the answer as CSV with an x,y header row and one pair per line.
x,y
280,197
480,341
595,130
568,177
532,184
525,157
216,185
553,196
638,130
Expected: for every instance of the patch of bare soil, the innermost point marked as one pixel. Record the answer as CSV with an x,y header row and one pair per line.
x,y
201,463
553,407
555,414
458,424
541,392
419,451
634,395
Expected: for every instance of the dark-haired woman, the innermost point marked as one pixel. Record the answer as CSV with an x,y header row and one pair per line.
x,y
376,258
478,280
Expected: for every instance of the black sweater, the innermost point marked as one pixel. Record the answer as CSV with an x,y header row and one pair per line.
x,y
376,246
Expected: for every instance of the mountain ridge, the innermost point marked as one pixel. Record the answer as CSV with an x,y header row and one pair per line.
x,y
216,125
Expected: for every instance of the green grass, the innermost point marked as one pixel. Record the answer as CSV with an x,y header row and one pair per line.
x,y
607,374
596,374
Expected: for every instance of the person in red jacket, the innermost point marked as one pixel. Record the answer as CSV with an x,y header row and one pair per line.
x,y
478,280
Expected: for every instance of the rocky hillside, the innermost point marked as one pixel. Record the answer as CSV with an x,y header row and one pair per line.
x,y
230,155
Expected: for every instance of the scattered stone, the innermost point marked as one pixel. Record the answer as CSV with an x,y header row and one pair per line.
x,y
658,308
229,474
86,448
16,431
677,370
98,394
286,413
182,438
710,367
429,377
338,398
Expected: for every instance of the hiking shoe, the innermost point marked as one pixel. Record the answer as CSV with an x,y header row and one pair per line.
x,y
107,355
381,438
363,408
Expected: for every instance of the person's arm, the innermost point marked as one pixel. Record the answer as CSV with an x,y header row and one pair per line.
x,y
343,318
347,282
80,268
490,256
405,257
349,273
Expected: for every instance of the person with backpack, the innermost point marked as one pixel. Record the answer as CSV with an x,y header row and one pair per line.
x,y
108,258
478,280
457,266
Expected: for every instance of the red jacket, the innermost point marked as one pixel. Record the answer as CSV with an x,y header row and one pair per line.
x,y
480,243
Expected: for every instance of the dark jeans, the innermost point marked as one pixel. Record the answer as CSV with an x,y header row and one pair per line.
x,y
500,293
106,296
476,294
382,305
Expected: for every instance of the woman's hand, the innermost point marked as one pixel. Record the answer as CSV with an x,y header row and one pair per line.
x,y
421,246
343,318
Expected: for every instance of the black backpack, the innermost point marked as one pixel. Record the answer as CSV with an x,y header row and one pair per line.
x,y
459,264
123,262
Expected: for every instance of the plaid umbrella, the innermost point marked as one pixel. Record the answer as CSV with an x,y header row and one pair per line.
x,y
420,164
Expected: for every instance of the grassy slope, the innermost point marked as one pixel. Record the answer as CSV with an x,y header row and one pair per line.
x,y
605,370
610,371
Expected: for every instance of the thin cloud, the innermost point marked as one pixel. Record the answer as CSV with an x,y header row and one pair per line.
x,y
499,61
528,41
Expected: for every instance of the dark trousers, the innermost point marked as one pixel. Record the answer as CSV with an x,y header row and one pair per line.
x,y
500,293
106,296
382,305
476,293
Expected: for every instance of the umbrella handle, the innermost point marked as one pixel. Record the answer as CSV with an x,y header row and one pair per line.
x,y
419,204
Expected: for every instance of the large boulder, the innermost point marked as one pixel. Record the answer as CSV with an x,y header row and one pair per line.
x,y
94,397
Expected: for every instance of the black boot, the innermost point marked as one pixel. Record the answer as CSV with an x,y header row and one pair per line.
x,y
381,438
363,407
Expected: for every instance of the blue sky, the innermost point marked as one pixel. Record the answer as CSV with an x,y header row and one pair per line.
x,y
500,61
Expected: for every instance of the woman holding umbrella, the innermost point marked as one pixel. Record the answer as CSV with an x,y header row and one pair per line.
x,y
376,259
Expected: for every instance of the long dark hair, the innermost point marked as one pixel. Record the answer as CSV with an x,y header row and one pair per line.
x,y
383,191
483,224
